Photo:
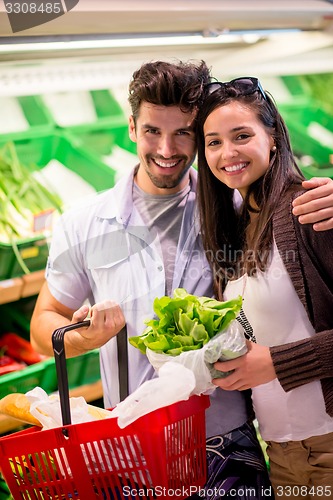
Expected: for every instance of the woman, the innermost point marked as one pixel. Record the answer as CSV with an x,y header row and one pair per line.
x,y
283,271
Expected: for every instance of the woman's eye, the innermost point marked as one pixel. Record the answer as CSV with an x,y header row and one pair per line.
x,y
215,142
241,137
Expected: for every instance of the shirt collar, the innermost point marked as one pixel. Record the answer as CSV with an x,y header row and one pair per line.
x,y
118,201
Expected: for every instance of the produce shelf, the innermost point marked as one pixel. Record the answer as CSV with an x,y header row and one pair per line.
x,y
109,142
10,290
32,283
14,289
82,370
36,153
33,251
28,116
74,108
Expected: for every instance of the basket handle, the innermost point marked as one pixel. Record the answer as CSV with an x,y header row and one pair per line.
x,y
61,368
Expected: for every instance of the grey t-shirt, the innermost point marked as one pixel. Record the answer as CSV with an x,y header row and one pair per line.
x,y
163,214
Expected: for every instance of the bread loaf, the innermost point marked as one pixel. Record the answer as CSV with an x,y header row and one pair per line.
x,y
17,406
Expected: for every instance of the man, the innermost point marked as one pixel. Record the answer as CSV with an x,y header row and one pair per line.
x,y
139,241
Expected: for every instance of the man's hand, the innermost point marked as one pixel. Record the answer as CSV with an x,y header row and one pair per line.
x,y
106,320
316,205
252,369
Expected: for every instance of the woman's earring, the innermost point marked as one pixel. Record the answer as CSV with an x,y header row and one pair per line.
x,y
273,148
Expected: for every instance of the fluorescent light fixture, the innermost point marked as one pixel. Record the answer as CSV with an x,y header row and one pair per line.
x,y
123,43
106,42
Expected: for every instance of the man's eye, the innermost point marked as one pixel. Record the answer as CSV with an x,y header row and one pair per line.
x,y
183,132
152,131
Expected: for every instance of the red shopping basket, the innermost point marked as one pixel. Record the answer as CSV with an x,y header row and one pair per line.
x,y
160,455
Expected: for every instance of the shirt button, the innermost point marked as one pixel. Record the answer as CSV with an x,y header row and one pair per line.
x,y
160,268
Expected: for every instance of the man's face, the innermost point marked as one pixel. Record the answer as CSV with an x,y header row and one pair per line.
x,y
166,147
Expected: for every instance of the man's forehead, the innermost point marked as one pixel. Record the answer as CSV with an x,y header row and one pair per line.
x,y
157,115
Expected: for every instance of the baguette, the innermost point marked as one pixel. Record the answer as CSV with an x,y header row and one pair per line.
x,y
98,413
17,406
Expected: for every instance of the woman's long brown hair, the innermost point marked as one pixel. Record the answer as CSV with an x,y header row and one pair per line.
x,y
231,244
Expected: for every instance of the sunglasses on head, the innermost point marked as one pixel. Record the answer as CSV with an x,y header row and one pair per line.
x,y
245,85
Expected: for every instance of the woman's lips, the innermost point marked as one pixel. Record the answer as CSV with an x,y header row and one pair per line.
x,y
235,168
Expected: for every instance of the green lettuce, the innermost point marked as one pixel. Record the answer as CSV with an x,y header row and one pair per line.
x,y
185,322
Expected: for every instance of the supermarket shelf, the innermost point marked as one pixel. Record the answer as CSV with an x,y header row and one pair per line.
x,y
90,392
24,286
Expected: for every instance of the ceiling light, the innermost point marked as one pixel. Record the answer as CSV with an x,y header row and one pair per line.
x,y
209,37
105,43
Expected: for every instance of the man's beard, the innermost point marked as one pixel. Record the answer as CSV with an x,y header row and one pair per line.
x,y
168,181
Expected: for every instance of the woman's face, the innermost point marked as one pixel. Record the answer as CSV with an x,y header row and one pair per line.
x,y
237,146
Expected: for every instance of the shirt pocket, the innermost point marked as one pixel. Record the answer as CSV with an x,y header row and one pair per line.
x,y
127,279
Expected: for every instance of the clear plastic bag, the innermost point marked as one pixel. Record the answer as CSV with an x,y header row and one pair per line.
x,y
228,344
174,383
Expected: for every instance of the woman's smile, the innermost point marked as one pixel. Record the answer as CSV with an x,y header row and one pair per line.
x,y
235,168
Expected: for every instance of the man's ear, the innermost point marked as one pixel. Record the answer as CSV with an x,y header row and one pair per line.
x,y
131,129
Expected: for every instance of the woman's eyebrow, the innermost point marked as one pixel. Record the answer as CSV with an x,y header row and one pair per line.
x,y
211,134
235,129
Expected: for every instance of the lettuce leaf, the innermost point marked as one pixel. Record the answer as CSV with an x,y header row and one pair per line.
x,y
185,322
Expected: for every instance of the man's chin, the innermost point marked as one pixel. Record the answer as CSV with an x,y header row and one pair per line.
x,y
170,181
166,182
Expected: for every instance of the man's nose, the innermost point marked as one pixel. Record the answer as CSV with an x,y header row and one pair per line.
x,y
166,146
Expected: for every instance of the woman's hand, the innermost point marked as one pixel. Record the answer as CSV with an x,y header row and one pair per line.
x,y
316,205
252,369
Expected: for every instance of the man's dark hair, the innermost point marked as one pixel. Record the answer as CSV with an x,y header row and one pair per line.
x,y
167,84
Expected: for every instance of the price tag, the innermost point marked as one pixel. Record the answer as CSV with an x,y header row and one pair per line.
x,y
43,220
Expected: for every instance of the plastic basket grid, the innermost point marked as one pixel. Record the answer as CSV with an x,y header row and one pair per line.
x,y
162,451
105,105
99,139
37,115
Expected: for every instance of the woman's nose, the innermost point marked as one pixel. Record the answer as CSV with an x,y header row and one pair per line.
x,y
229,151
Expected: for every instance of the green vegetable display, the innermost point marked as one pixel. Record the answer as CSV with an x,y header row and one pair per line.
x,y
22,198
185,322
21,195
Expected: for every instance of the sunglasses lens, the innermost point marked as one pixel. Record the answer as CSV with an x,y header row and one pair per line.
x,y
245,85
214,86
